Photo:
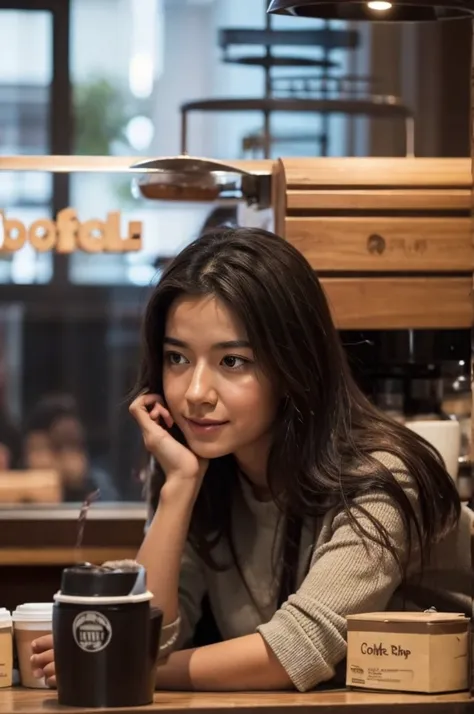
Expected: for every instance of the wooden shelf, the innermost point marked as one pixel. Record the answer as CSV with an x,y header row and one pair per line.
x,y
400,303
21,557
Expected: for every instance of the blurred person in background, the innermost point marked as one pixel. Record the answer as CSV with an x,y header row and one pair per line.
x,y
10,444
55,439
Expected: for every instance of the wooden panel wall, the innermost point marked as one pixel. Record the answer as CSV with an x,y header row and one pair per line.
x,y
390,238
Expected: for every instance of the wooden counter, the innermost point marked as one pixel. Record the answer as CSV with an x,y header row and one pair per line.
x,y
22,701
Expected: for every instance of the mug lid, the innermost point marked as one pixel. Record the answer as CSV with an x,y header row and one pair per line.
x,y
93,581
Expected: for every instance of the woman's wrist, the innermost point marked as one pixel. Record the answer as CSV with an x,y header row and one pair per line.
x,y
182,492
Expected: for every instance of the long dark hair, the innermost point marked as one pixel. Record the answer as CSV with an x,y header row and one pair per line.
x,y
326,431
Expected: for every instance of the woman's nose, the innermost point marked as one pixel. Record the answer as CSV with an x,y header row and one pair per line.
x,y
200,388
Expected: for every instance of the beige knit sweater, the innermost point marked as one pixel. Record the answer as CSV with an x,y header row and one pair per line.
x,y
339,574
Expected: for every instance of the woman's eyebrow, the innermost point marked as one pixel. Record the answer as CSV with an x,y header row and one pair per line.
x,y
230,344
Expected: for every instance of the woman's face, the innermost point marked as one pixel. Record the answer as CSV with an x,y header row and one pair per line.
x,y
215,391
39,452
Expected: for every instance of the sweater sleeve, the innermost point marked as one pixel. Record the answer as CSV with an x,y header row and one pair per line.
x,y
349,574
192,588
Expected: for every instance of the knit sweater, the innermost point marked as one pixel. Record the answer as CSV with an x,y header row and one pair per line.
x,y
339,574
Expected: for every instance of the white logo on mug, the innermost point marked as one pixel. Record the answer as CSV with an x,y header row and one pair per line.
x,y
92,631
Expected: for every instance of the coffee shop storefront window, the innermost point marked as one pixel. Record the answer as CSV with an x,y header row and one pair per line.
x,y
26,72
70,324
128,86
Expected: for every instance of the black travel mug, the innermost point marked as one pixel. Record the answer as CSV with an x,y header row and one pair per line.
x,y
106,637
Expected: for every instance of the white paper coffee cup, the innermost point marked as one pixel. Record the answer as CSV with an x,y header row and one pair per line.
x,y
6,648
445,436
30,621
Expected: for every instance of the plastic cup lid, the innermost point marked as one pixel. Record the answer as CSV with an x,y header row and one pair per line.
x,y
5,617
30,611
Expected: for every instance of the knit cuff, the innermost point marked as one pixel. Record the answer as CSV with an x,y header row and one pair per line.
x,y
295,651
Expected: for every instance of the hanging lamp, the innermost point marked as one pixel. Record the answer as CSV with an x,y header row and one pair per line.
x,y
375,10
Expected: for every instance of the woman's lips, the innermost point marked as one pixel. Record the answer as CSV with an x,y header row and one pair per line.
x,y
205,427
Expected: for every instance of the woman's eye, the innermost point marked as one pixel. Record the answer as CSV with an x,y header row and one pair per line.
x,y
234,362
175,358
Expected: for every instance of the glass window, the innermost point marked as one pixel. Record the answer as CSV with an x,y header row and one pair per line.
x,y
25,95
166,229
130,79
69,349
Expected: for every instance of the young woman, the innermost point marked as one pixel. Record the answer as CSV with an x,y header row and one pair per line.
x,y
284,495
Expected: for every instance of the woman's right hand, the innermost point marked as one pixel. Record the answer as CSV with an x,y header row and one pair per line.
x,y
177,461
42,660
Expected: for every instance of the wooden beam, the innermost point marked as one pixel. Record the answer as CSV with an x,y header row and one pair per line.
x,y
425,200
279,195
104,164
377,172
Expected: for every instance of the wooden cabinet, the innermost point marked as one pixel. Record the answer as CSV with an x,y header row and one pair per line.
x,y
391,239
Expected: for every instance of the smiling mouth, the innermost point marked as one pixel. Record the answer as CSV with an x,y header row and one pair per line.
x,y
204,427
204,423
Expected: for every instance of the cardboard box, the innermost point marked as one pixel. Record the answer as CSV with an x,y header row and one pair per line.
x,y
408,651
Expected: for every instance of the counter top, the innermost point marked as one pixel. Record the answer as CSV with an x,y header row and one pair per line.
x,y
22,701
50,533
70,512
62,557
42,537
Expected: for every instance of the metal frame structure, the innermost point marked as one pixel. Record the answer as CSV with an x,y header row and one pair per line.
x,y
61,116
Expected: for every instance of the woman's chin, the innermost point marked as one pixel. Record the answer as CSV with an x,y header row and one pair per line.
x,y
208,451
